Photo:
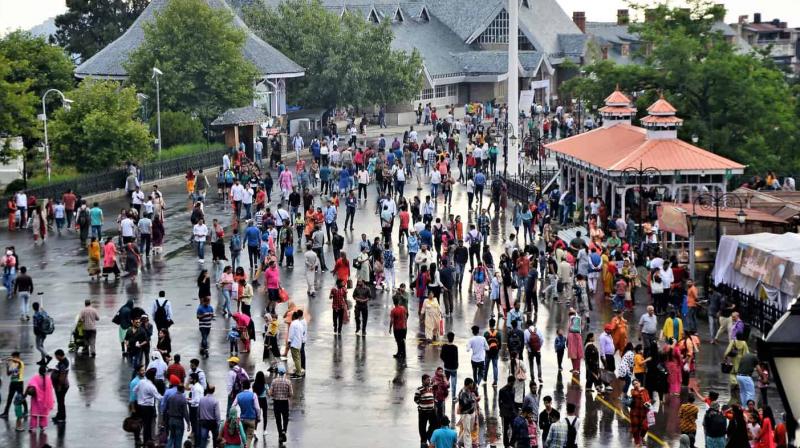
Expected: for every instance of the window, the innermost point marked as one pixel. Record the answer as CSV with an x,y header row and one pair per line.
x,y
523,42
423,15
398,16
373,17
441,91
497,31
525,3
426,94
452,90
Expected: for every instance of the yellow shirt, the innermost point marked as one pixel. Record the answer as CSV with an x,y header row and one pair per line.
x,y
638,363
668,331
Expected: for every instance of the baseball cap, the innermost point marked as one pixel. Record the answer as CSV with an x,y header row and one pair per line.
x,y
281,369
233,359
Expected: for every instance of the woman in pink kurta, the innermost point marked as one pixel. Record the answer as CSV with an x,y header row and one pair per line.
x,y
674,365
42,399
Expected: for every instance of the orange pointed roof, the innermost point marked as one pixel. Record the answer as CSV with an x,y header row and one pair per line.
x,y
617,110
661,107
617,98
617,147
661,120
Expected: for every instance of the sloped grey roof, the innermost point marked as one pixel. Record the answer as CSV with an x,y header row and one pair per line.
x,y
496,62
610,32
573,44
465,17
242,116
545,20
109,62
435,42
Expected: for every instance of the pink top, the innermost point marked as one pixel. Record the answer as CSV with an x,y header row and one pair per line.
x,y
42,403
272,278
109,255
286,180
227,281
242,320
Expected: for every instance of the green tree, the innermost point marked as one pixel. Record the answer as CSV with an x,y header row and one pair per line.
x,y
101,130
89,25
177,128
740,105
199,50
18,111
348,60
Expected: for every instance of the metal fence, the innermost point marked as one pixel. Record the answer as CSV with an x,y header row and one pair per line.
x,y
524,187
758,313
114,179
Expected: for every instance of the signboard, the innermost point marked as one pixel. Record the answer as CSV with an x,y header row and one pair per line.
x,y
673,219
526,101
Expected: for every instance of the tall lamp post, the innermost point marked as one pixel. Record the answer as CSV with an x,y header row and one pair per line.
x,y
156,74
510,141
640,174
783,353
67,104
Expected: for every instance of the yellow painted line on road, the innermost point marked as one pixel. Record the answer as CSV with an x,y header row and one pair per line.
x,y
620,413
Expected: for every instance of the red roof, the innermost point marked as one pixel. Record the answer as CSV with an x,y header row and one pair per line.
x,y
661,107
727,214
617,110
617,97
622,145
661,119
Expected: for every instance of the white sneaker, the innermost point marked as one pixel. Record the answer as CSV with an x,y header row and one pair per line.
x,y
266,433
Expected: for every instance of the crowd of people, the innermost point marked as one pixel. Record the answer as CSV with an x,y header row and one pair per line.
x,y
450,262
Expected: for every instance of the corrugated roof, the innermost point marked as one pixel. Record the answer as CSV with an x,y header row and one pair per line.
x,y
619,146
726,214
109,62
242,116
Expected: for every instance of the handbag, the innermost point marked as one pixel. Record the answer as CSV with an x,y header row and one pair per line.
x,y
651,418
132,424
116,319
726,367
283,296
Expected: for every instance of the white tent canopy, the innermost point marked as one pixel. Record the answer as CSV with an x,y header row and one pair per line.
x,y
765,260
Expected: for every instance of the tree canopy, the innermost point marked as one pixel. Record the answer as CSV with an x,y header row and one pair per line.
x,y
199,50
89,25
101,129
28,67
739,105
348,60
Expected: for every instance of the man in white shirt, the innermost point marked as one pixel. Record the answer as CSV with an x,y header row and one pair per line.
x,y
137,199
412,135
363,181
436,180
226,162
295,343
237,195
127,228
161,302
259,150
22,206
478,346
200,233
298,143
247,201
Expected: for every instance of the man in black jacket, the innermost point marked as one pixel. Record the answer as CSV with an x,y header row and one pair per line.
x,y
449,356
505,401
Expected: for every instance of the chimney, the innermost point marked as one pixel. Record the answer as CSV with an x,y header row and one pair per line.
x,y
622,17
742,19
757,17
579,17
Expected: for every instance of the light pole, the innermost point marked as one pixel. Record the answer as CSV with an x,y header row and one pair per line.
x,y
640,173
717,201
156,74
67,104
509,142
783,353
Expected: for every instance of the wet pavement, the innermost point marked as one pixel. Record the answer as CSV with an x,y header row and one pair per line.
x,y
353,394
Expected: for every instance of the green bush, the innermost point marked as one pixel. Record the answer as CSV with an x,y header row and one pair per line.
x,y
177,128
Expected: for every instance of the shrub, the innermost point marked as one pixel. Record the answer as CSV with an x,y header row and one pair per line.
x,y
177,128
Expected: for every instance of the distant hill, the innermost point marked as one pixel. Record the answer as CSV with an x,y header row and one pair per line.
x,y
45,28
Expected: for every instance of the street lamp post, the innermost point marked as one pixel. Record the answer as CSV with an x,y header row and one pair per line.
x,y
640,174
156,74
67,104
783,353
717,201
510,140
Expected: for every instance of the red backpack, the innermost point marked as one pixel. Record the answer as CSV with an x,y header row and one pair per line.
x,y
535,342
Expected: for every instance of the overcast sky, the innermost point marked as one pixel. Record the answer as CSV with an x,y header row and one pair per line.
x,y
28,13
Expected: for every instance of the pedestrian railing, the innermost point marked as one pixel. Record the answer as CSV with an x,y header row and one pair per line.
x,y
111,180
524,187
758,313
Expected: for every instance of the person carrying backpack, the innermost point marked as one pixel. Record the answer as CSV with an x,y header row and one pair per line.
x,y
161,310
715,426
43,326
564,433
533,341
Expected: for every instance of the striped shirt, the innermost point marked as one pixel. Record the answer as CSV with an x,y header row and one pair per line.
x,y
687,415
424,398
205,313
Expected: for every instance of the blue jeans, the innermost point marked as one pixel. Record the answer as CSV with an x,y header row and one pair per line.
x,y
747,390
226,304
97,231
175,428
24,297
452,375
491,359
207,426
204,331
201,249
247,208
434,190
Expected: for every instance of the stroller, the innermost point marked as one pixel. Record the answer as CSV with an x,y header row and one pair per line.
x,y
77,339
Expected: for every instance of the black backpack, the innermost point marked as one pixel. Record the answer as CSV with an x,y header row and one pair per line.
x,y
514,341
160,317
572,433
715,423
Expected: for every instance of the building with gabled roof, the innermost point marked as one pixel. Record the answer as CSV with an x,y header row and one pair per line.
x,y
603,162
463,44
273,66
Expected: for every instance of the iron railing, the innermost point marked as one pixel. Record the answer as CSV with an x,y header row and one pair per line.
x,y
758,313
524,187
111,180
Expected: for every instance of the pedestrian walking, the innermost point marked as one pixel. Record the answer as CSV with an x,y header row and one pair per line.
x,y
281,392
43,326
398,321
15,370
426,413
